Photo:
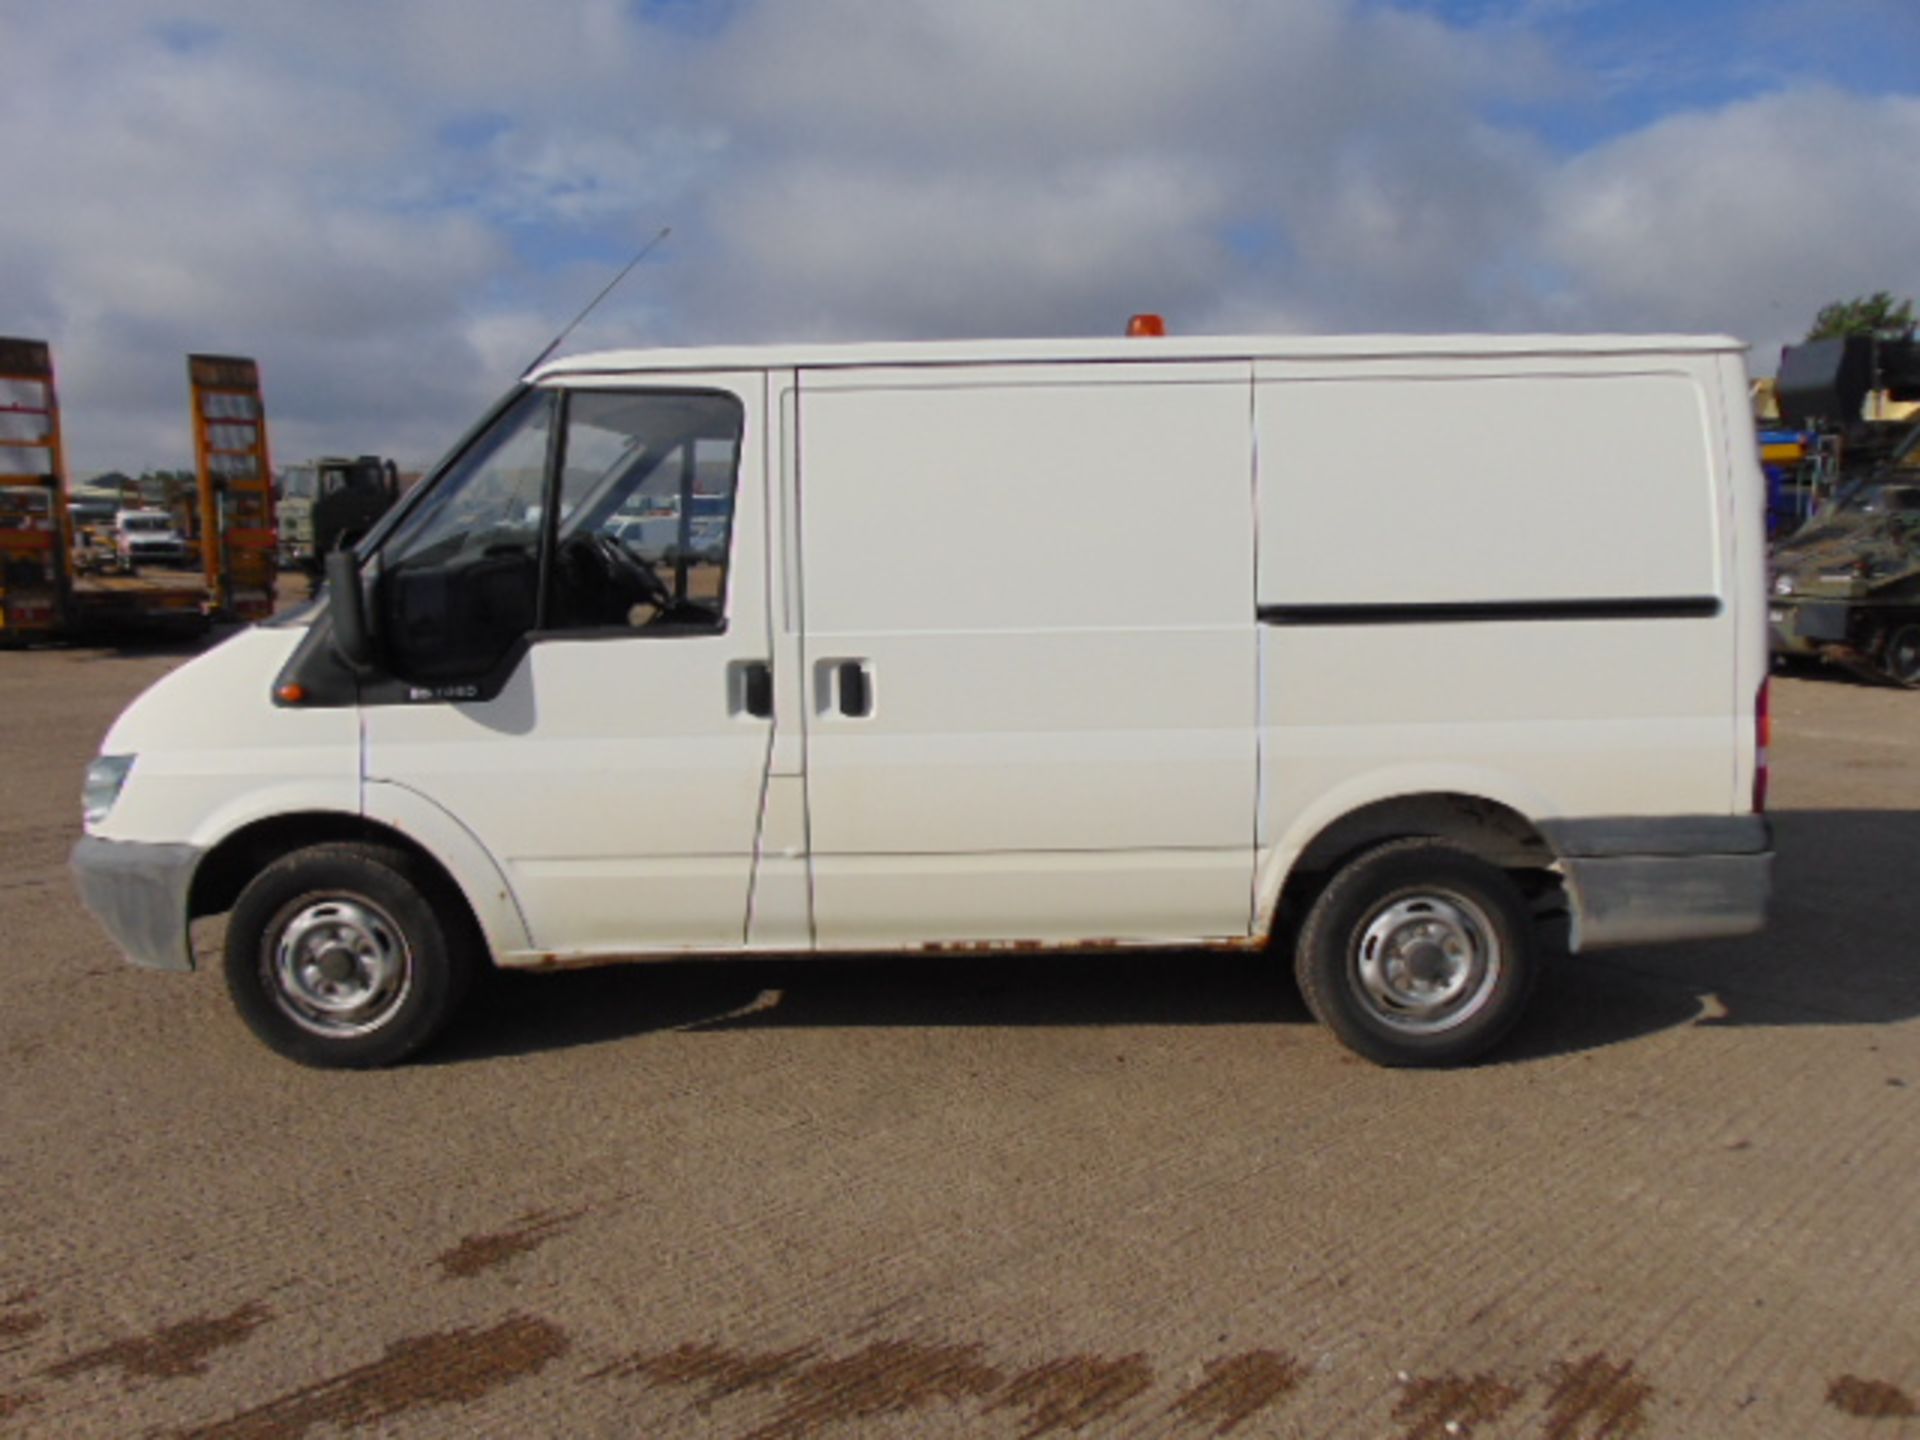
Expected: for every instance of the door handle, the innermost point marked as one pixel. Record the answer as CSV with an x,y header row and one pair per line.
x,y
750,689
856,689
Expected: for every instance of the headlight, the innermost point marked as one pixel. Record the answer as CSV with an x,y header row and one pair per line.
x,y
105,776
1783,584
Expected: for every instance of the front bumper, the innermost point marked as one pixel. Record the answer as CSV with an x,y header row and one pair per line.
x,y
1648,881
138,892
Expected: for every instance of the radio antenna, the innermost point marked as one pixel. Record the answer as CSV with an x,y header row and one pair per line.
x,y
645,250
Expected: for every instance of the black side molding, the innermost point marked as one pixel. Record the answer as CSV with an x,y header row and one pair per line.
x,y
1457,612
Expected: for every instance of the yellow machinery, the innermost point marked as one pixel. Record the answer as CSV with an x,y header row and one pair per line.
x,y
52,581
239,544
35,533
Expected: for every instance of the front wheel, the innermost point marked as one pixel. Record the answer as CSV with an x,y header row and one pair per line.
x,y
1417,953
348,956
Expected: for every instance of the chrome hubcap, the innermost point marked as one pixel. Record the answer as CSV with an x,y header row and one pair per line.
x,y
340,967
1426,962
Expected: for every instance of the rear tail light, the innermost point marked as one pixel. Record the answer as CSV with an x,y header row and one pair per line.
x,y
1762,742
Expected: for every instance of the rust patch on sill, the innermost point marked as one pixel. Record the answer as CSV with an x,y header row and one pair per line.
x,y
1443,1406
478,1253
418,1373
170,1353
1595,1399
1238,1388
1870,1399
1097,945
548,961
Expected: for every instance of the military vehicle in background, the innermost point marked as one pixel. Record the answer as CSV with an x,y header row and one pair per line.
x,y
1846,584
329,504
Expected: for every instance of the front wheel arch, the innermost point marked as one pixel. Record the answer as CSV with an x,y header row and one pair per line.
x,y
226,870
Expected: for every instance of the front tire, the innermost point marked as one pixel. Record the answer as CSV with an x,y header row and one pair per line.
x,y
1417,953
348,956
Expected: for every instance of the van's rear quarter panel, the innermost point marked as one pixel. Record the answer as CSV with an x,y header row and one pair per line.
x,y
1410,483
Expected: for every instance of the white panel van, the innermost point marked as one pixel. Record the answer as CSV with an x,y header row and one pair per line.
x,y
1411,661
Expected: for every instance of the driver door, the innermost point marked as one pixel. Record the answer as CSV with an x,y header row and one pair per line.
x,y
579,618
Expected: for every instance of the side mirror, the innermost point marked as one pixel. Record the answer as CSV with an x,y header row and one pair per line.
x,y
346,603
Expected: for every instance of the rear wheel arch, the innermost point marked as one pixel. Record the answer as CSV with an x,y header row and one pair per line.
x,y
1487,829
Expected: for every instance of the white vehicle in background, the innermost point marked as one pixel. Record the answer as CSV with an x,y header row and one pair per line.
x,y
1401,662
147,537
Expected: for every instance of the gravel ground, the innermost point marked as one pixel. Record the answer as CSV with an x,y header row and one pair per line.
x,y
1026,1197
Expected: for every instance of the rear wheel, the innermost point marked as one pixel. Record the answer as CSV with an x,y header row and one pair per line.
x,y
1417,953
348,955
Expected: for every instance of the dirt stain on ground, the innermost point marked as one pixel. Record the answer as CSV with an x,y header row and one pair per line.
x,y
417,1373
718,1372
12,1402
1595,1399
17,1322
888,1377
170,1353
1072,1393
1240,1387
478,1253
1870,1399
1441,1406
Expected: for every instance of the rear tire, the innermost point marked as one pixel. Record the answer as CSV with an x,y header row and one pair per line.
x,y
1418,953
349,956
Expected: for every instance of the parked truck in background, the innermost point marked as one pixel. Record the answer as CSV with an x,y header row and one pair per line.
x,y
240,545
328,504
147,537
126,573
34,530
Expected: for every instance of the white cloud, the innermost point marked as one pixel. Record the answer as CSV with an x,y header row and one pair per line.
x,y
393,203
1745,219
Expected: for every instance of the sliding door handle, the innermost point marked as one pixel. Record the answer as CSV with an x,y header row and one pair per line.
x,y
842,687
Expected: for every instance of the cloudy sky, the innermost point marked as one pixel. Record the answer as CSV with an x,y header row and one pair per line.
x,y
393,204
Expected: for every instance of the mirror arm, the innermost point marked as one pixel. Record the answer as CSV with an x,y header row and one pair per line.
x,y
353,636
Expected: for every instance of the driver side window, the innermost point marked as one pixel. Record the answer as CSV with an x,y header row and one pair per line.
x,y
645,512
637,542
461,574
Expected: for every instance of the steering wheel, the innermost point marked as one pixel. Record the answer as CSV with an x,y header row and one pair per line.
x,y
631,579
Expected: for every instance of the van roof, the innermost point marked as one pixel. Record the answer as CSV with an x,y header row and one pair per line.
x,y
806,355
